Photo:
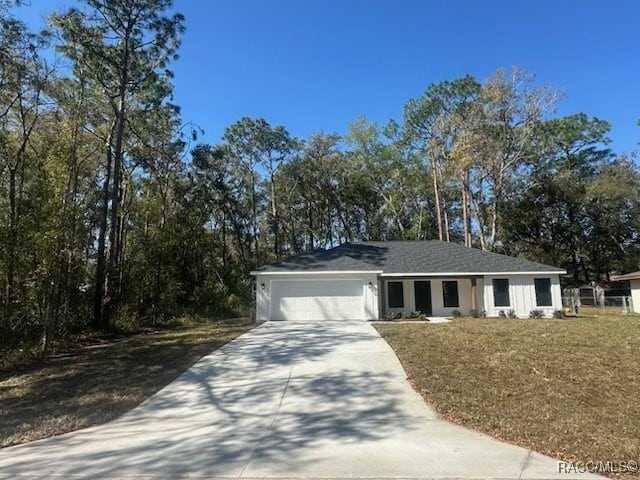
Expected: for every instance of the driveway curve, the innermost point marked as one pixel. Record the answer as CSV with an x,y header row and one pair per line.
x,y
287,399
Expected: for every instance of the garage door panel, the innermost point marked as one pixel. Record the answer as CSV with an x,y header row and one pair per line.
x,y
317,300
319,289
338,308
288,307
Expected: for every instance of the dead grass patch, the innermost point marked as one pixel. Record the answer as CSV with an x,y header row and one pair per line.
x,y
96,383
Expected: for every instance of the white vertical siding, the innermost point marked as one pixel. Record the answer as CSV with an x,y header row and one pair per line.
x,y
556,293
522,295
464,297
480,285
370,297
408,297
437,297
635,295
263,305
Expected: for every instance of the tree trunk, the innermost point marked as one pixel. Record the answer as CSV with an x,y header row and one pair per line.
x,y
585,271
122,244
494,222
254,212
445,214
497,197
274,219
113,273
574,263
445,211
478,214
396,215
436,197
11,245
223,222
329,226
101,262
310,217
465,229
46,323
465,209
69,217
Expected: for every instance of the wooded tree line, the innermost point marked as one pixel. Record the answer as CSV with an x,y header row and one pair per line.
x,y
109,214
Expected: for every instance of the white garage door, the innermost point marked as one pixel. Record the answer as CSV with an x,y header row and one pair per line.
x,y
317,300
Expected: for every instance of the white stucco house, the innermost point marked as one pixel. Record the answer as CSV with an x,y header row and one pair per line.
x,y
366,280
634,283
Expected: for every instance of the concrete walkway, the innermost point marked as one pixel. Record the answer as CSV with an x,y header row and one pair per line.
x,y
288,400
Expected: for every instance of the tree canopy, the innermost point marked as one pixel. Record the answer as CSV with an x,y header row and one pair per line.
x,y
111,215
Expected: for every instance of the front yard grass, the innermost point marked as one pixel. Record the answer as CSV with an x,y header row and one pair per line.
x,y
96,383
567,388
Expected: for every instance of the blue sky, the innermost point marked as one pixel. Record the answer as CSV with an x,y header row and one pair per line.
x,y
318,64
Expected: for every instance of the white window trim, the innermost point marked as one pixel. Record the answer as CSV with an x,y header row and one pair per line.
x,y
535,293
493,291
457,294
404,304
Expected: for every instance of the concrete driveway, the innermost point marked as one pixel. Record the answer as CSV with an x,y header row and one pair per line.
x,y
284,400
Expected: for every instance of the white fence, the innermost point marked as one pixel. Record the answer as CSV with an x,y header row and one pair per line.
x,y
613,305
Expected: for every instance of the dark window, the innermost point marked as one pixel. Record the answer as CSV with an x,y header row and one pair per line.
x,y
501,292
543,292
396,295
450,294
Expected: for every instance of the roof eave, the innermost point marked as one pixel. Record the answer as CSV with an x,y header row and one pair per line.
x,y
313,272
441,274
404,274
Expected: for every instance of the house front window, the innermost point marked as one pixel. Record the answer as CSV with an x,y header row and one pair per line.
x,y
450,293
543,292
395,295
501,292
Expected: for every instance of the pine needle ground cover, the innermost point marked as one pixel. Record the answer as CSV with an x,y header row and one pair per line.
x,y
96,383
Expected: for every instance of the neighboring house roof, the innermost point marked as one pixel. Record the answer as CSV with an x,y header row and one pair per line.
x,y
406,257
626,276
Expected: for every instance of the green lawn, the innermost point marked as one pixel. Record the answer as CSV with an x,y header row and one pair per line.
x,y
568,388
97,383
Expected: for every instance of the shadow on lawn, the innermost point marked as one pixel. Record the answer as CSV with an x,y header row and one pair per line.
x,y
222,413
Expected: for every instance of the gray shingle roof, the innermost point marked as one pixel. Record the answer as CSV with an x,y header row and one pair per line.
x,y
431,256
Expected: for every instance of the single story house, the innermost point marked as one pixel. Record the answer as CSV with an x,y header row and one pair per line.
x,y
634,283
366,280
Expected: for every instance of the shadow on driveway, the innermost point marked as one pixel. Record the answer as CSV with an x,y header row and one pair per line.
x,y
315,400
243,402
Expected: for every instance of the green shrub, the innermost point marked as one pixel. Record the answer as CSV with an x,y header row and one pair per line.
x,y
456,314
127,321
558,314
536,314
